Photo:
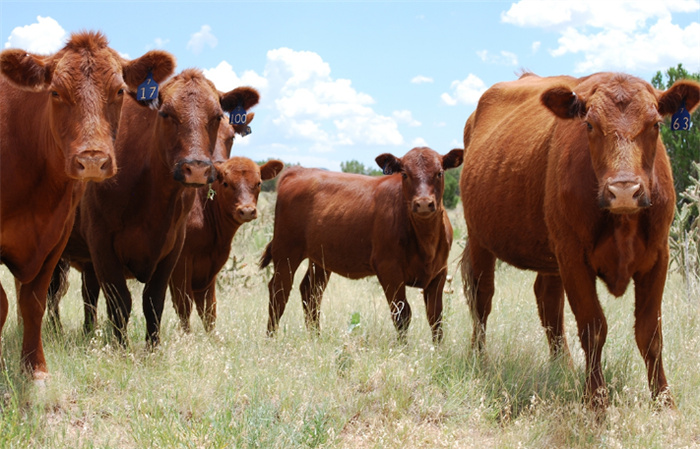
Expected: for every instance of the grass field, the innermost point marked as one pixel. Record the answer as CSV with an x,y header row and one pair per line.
x,y
352,387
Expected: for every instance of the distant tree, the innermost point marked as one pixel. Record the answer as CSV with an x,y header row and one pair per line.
x,y
683,147
451,196
359,168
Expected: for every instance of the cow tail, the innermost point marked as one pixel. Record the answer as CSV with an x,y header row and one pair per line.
x,y
266,257
465,267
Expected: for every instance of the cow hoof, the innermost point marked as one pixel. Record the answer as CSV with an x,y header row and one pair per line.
x,y
40,378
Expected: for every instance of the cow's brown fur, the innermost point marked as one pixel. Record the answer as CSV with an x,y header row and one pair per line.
x,y
211,226
134,225
568,177
393,227
59,115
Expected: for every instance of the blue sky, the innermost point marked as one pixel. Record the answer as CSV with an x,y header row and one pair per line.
x,y
351,80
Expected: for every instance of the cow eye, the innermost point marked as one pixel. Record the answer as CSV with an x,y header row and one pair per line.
x,y
120,92
258,185
225,184
439,174
404,175
590,127
55,94
163,114
657,125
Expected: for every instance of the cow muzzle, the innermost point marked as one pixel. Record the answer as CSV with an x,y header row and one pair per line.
x,y
624,195
91,166
424,205
195,173
245,214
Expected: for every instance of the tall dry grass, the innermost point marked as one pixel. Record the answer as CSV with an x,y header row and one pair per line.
x,y
354,386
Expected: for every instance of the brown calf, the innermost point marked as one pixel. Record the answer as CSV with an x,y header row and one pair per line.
x,y
569,177
393,227
211,226
134,226
59,116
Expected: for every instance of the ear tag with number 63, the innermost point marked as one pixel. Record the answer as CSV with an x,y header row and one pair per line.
x,y
148,90
238,116
681,119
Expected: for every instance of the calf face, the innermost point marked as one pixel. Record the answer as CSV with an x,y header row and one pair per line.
x,y
86,82
423,174
238,185
190,116
622,119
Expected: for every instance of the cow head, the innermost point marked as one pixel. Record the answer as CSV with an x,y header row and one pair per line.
x,y
621,116
190,115
238,184
422,171
85,84
227,133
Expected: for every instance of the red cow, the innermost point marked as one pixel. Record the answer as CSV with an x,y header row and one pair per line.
x,y
394,227
134,225
568,177
59,116
211,226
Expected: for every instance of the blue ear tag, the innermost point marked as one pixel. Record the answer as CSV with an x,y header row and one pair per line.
x,y
681,119
387,170
238,116
148,90
247,131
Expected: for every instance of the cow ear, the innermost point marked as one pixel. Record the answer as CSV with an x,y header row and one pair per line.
x,y
270,169
247,97
563,102
682,91
158,62
25,70
389,163
453,159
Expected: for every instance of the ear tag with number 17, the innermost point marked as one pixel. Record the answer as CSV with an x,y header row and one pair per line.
x,y
681,119
148,90
238,116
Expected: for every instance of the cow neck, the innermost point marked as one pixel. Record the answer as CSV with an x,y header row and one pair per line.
x,y
428,231
219,220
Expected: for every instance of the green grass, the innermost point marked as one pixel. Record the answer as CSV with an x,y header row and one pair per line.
x,y
355,386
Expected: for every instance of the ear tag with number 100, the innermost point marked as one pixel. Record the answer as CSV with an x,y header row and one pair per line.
x,y
238,116
681,119
148,90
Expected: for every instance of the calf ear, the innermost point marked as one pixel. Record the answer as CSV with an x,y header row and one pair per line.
x,y
243,96
25,70
270,169
682,91
563,102
453,159
389,163
158,62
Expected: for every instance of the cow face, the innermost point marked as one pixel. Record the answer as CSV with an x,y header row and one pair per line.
x,y
621,117
239,180
190,116
422,171
85,82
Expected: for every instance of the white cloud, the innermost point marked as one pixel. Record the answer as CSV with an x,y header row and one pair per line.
x,y
536,46
466,91
201,38
160,43
419,142
44,37
420,79
405,116
503,58
225,78
626,35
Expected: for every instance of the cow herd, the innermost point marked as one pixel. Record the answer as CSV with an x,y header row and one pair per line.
x,y
564,176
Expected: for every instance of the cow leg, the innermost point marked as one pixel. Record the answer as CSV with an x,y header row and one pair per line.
x,y
549,292
182,303
279,287
90,290
154,293
648,289
57,289
399,308
312,287
478,266
432,295
206,306
4,308
579,283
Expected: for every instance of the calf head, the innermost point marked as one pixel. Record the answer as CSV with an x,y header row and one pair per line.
x,y
621,116
85,82
423,176
190,115
238,185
